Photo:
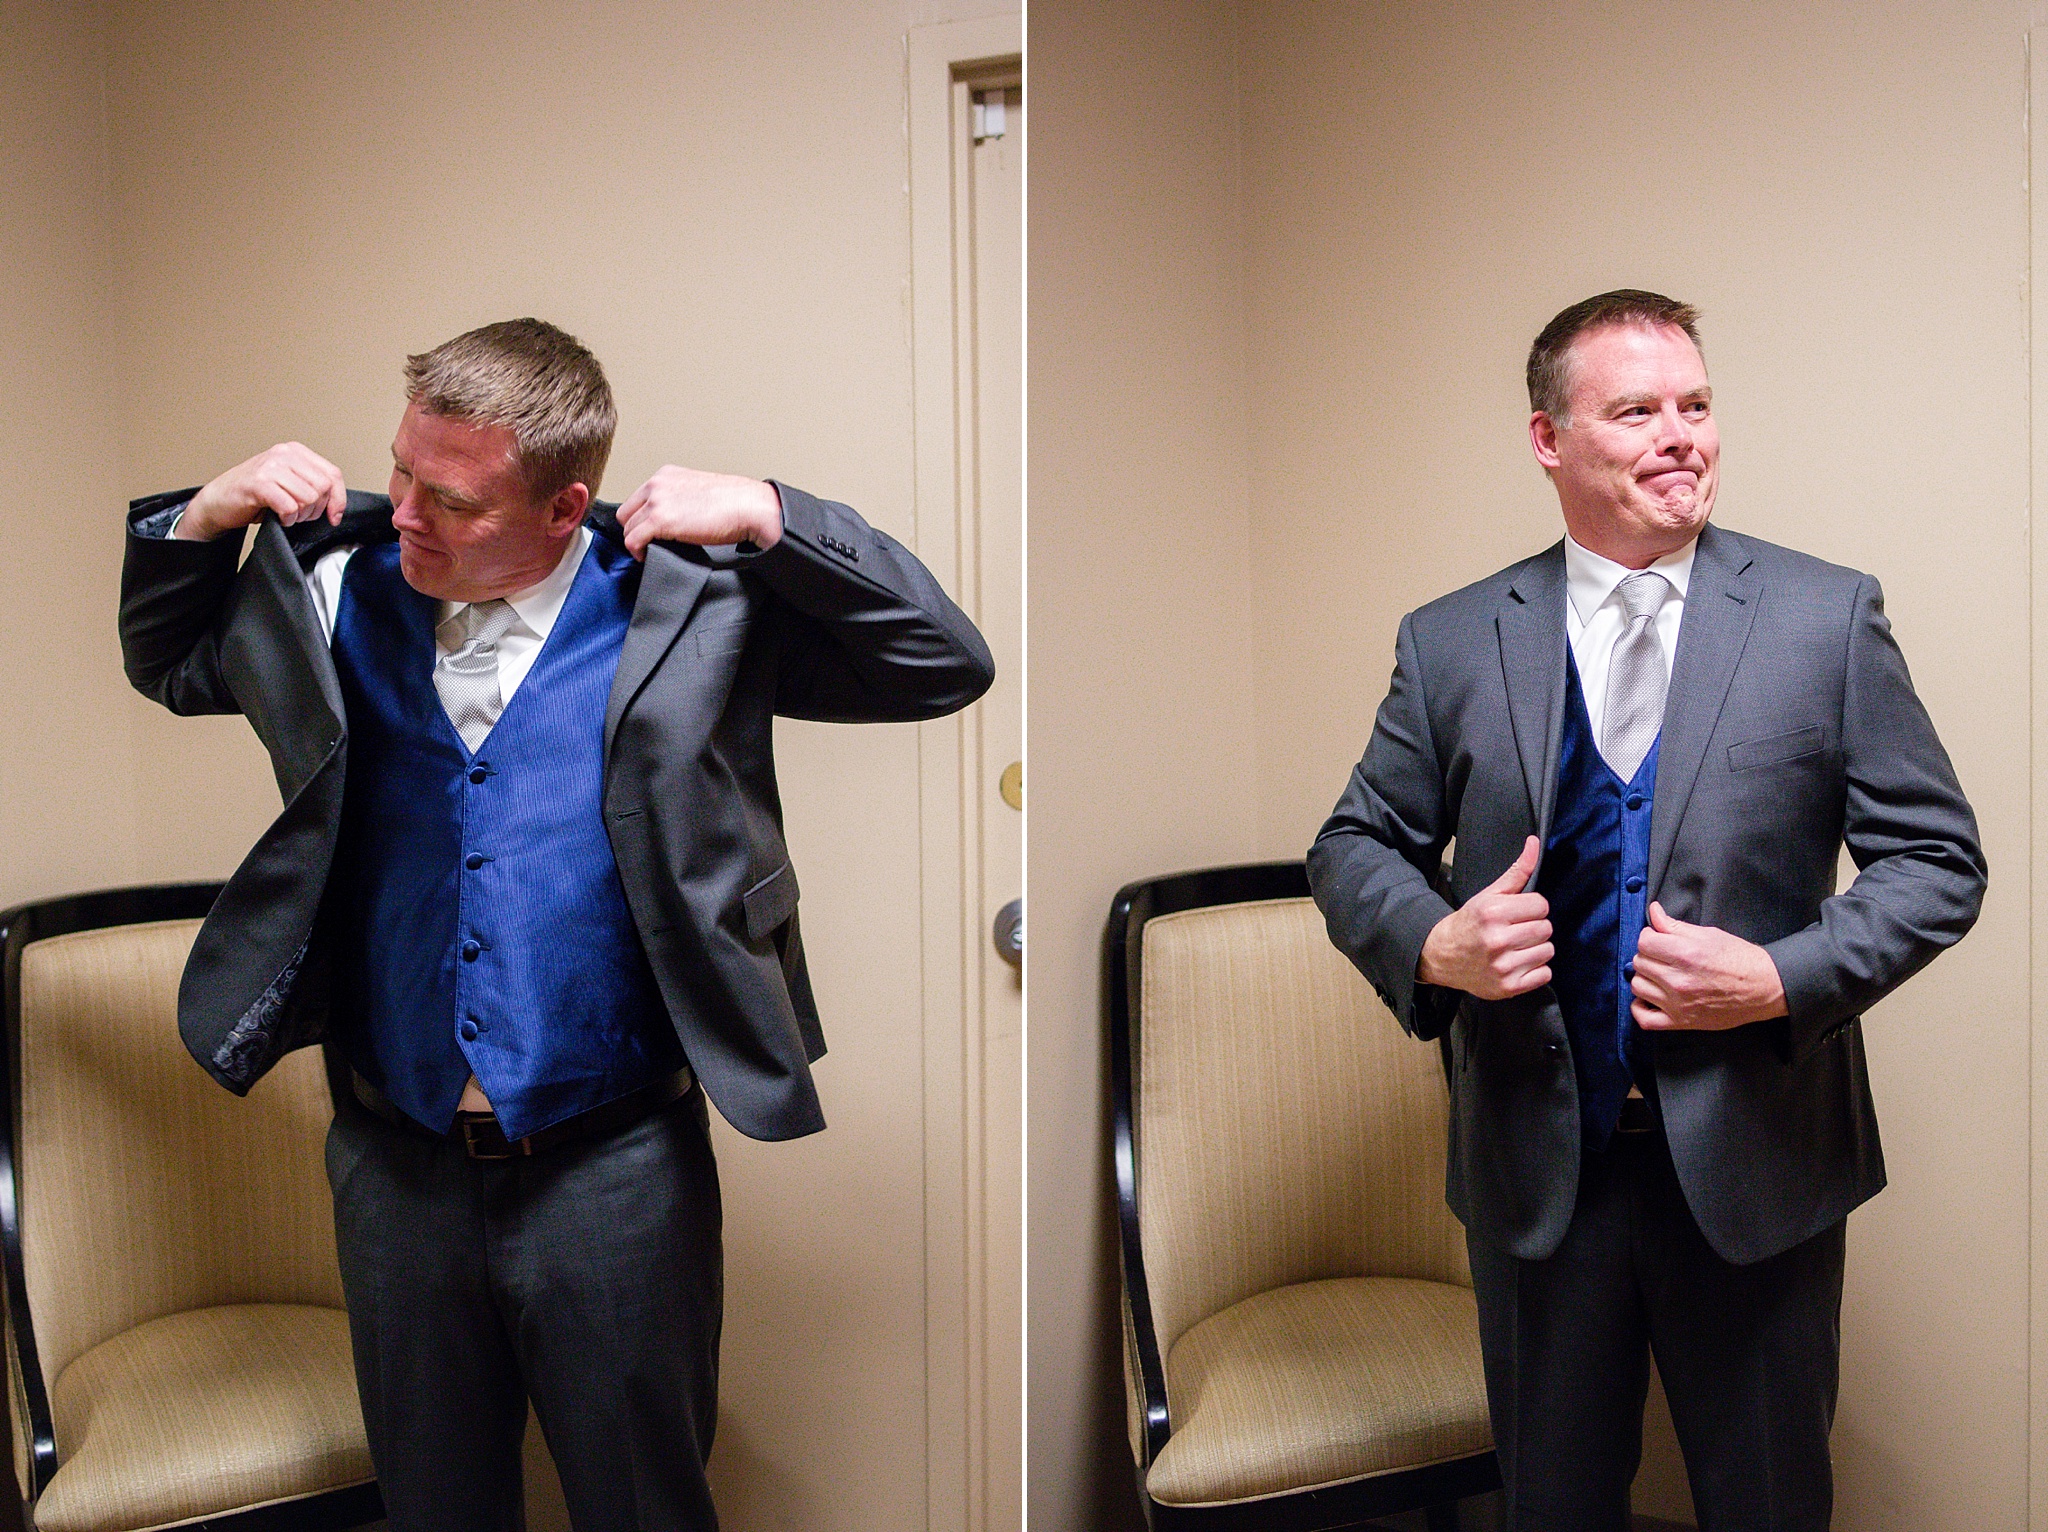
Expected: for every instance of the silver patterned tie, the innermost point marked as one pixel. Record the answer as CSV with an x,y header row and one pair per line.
x,y
1636,678
468,679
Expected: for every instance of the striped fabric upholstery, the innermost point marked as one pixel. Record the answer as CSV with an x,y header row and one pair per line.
x,y
1290,1133
157,1210
1319,1383
201,1412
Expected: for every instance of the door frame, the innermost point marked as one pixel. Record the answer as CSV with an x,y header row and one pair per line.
x,y
968,1442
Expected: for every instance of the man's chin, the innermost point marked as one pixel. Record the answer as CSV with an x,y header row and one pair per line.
x,y
1681,514
422,574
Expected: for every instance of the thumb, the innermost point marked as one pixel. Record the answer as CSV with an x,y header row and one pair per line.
x,y
1660,921
1516,878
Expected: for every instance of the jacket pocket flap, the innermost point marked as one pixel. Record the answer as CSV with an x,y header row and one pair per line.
x,y
1777,747
770,902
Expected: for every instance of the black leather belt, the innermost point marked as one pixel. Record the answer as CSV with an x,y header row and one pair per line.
x,y
481,1138
1637,1116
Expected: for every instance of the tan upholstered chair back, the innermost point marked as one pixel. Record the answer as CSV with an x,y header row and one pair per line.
x,y
1288,1129
146,1188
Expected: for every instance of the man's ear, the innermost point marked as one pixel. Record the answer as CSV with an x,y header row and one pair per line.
x,y
1543,439
565,511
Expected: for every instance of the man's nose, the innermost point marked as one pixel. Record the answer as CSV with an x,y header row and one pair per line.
x,y
1674,433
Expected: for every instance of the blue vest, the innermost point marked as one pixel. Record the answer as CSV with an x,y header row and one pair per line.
x,y
1594,870
481,926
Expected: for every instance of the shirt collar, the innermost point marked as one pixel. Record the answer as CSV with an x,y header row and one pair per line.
x,y
1589,579
539,604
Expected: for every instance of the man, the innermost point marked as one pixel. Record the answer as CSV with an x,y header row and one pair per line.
x,y
529,886
1650,743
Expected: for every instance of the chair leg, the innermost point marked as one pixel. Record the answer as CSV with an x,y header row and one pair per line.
x,y
1441,1518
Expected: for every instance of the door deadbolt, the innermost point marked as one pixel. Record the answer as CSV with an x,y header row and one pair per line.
x,y
1009,933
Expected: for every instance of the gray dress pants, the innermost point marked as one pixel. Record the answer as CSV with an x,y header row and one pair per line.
x,y
586,1277
1748,1354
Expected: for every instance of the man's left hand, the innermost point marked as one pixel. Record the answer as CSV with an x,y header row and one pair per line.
x,y
1701,978
684,505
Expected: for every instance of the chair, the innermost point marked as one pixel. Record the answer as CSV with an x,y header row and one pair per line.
x,y
1301,1343
176,1344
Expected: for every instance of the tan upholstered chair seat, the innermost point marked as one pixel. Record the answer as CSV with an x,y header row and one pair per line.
x,y
1320,1383
201,1412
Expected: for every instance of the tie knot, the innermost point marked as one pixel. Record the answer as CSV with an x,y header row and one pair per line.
x,y
1642,593
489,621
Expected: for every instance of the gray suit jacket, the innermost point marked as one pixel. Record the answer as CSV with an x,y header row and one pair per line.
x,y
1790,727
836,622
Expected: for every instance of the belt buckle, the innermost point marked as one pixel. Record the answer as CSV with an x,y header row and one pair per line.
x,y
481,1151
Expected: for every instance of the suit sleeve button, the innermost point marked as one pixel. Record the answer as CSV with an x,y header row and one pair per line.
x,y
1555,1050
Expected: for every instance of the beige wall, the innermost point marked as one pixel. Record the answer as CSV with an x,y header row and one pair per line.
x,y
67,813
238,217
1140,612
1842,188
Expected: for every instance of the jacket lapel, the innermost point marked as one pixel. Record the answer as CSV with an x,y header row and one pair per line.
x,y
1531,629
276,565
1720,607
285,558
669,587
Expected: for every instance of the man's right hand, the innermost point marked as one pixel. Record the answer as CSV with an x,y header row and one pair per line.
x,y
1498,943
290,479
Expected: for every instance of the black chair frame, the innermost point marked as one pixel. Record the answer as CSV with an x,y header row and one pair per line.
x,y
330,1511
1435,1488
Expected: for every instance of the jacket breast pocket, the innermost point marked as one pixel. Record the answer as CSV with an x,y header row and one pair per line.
x,y
770,902
1773,748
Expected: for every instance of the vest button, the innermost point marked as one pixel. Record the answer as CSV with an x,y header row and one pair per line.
x,y
1634,885
1628,970
469,1031
1635,800
477,775
473,861
470,950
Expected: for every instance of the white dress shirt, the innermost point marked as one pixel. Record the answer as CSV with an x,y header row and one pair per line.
x,y
536,607
1594,617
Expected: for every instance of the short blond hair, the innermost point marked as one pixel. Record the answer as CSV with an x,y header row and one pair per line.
x,y
1551,372
537,381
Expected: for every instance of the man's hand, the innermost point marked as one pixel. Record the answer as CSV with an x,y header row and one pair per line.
x,y
1498,943
683,505
1701,978
290,479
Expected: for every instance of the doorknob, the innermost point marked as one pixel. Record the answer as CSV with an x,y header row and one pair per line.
x,y
1009,933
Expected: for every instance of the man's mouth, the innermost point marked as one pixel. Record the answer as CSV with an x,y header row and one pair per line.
x,y
1668,479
